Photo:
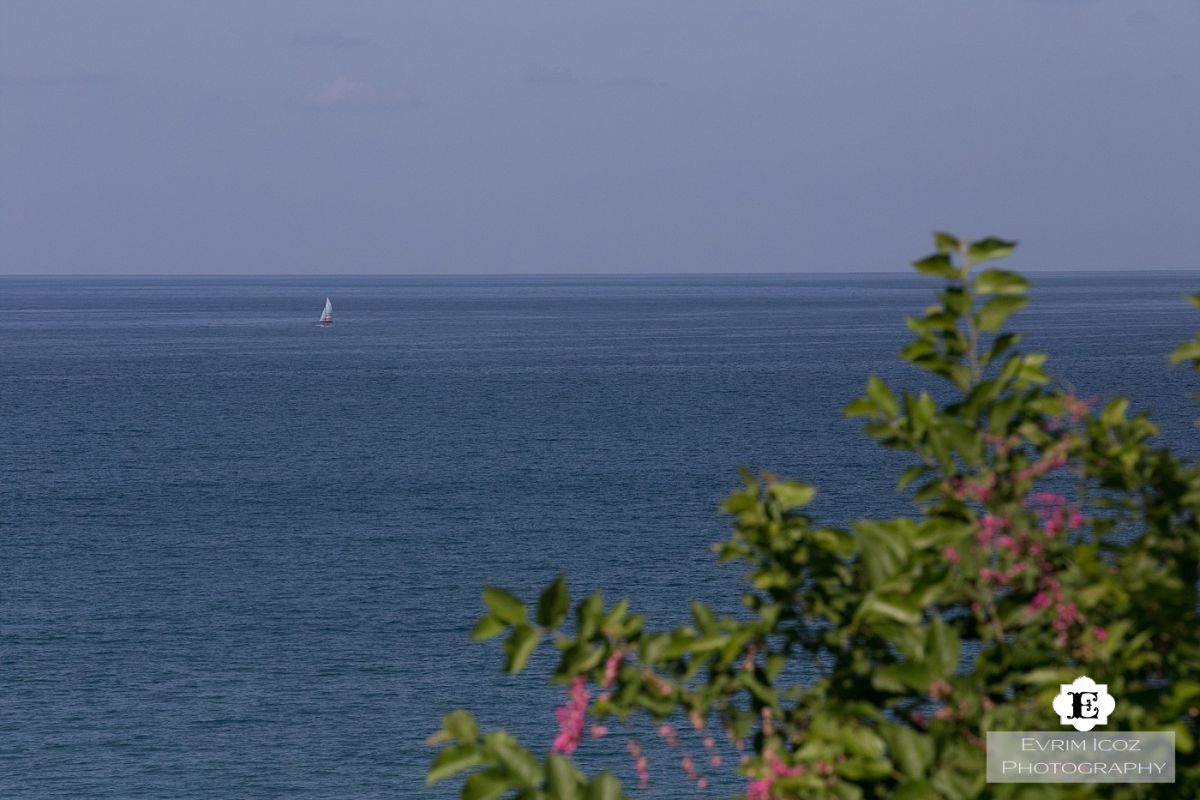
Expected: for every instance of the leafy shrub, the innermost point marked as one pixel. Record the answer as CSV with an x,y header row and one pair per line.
x,y
1050,539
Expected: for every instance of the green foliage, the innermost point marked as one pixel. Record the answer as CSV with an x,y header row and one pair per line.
x,y
924,631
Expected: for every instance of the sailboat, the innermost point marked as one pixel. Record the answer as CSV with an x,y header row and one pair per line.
x,y
327,314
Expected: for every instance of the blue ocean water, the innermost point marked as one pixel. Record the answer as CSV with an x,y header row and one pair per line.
x,y
240,554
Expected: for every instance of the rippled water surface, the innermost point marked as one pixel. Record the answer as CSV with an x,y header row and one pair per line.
x,y
241,553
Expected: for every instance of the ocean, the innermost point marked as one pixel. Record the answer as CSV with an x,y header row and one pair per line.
x,y
240,554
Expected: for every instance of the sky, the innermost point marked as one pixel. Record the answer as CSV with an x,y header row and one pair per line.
x,y
653,136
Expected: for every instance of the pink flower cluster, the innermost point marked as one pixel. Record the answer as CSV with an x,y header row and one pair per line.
x,y
710,744
1077,407
670,736
610,669
571,718
1054,458
640,763
974,489
1056,514
1050,595
760,788
1025,551
990,528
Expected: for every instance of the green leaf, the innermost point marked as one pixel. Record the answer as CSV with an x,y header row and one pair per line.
x,y
956,300
942,647
452,761
914,790
504,605
1000,344
882,396
892,607
519,646
485,786
590,614
791,495
907,675
945,242
461,725
562,779
518,762
616,614
704,618
1114,413
939,265
1188,351
604,786
738,502
989,248
553,604
859,407
996,311
487,627
912,752
885,548
1001,281
911,474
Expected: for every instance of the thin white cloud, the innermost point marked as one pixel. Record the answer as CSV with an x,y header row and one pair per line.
x,y
346,92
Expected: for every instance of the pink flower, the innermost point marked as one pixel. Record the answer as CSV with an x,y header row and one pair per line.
x,y
702,784
759,789
640,763
951,555
571,718
785,771
610,669
1040,601
599,731
1100,633
1076,407
989,526
982,490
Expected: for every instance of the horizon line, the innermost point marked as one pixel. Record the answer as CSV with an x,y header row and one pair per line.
x,y
714,274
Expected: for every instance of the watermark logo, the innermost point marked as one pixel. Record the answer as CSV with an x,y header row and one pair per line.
x,y
1082,755
1083,704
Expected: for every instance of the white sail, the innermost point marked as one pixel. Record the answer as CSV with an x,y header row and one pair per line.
x,y
327,314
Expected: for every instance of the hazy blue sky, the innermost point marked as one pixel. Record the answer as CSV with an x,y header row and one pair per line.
x,y
611,136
